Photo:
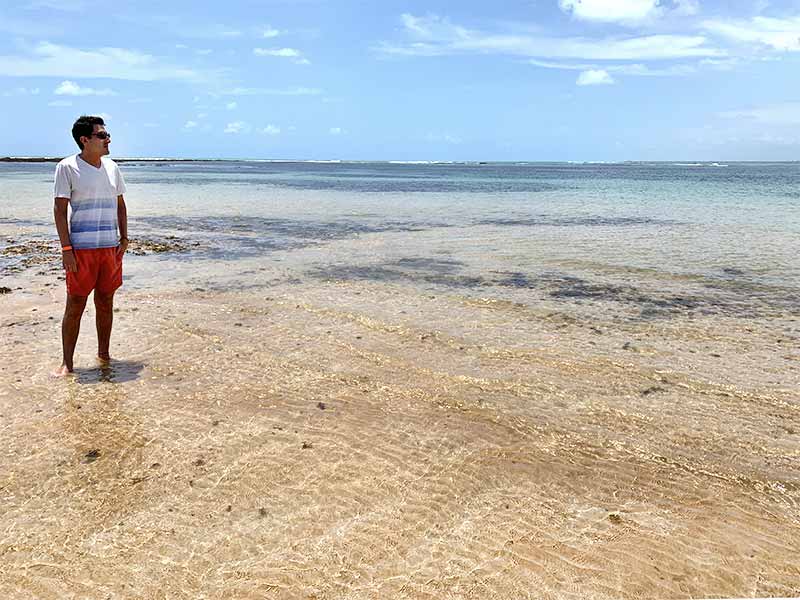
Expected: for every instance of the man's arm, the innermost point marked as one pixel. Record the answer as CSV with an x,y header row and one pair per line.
x,y
60,213
122,223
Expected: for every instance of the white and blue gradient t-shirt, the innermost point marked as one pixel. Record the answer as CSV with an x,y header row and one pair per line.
x,y
92,194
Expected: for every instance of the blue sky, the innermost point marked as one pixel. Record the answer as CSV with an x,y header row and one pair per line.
x,y
472,80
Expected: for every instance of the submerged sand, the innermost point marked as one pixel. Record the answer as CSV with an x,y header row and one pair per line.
x,y
357,438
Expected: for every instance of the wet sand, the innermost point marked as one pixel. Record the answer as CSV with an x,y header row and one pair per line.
x,y
349,436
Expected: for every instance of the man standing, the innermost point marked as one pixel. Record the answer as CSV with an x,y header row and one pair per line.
x,y
96,237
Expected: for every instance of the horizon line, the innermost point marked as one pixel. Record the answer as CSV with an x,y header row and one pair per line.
x,y
687,162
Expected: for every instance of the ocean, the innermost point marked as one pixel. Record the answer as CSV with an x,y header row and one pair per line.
x,y
499,229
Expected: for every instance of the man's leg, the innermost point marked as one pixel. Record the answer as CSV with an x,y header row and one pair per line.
x,y
70,328
104,318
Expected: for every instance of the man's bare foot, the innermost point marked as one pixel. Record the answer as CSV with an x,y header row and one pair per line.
x,y
103,359
62,371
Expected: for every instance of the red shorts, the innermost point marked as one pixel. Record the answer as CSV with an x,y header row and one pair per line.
x,y
98,269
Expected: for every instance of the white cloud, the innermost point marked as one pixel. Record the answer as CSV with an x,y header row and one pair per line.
x,y
204,51
628,12
237,127
53,60
21,91
60,103
432,27
190,125
777,34
595,77
231,105
270,130
611,10
292,53
415,24
336,131
634,69
435,36
70,88
181,46
564,66
298,91
787,113
269,32
424,26
285,52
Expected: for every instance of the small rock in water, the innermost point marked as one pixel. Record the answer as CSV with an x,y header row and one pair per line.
x,y
307,445
321,405
91,456
262,512
615,518
652,390
5,290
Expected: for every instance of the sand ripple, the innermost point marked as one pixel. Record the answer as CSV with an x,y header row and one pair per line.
x,y
361,440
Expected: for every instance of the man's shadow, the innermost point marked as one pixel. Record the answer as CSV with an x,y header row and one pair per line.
x,y
116,371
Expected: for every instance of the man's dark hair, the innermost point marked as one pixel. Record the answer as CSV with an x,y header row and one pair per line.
x,y
84,126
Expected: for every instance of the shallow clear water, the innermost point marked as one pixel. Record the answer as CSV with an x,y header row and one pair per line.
x,y
739,222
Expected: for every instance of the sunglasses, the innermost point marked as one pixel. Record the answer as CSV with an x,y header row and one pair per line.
x,y
103,135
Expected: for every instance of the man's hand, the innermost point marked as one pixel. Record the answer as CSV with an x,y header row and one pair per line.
x,y
123,246
70,264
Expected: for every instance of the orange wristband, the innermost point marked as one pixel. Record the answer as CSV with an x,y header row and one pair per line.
x,y
65,248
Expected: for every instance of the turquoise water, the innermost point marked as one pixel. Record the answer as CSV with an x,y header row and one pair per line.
x,y
499,228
